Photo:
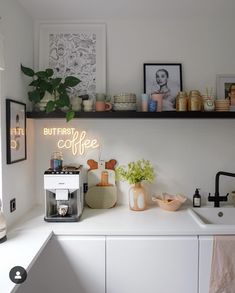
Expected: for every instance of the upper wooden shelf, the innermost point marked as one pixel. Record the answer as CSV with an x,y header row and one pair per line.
x,y
133,114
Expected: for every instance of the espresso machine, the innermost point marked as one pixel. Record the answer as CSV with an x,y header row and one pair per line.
x,y
63,195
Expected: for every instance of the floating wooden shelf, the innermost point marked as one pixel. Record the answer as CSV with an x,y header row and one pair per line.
x,y
136,115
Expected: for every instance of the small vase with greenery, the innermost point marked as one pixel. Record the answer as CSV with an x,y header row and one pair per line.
x,y
135,173
43,82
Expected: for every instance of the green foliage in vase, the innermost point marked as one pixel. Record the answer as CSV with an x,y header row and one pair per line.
x,y
43,81
135,172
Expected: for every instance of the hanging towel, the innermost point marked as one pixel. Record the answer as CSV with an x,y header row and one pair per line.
x,y
222,278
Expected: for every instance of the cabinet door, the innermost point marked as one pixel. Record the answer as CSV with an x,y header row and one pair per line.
x,y
73,264
205,258
152,264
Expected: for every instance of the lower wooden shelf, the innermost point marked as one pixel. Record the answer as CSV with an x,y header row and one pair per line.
x,y
134,114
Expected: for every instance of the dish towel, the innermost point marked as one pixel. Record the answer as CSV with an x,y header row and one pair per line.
x,y
222,278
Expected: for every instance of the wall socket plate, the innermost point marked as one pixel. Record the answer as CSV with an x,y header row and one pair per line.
x,y
12,205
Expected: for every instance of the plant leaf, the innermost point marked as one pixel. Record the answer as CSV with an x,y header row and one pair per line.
x,y
41,74
34,96
49,72
27,71
34,83
43,85
49,88
70,115
61,89
65,98
50,106
42,94
55,82
71,81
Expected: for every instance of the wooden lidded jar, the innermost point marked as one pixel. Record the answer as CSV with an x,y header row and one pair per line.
x,y
182,102
195,101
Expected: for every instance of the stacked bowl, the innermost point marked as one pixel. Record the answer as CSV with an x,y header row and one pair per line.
x,y
124,102
222,105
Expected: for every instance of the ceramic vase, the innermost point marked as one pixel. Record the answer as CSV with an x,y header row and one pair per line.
x,y
137,197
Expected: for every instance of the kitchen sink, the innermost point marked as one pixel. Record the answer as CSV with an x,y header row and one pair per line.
x,y
214,217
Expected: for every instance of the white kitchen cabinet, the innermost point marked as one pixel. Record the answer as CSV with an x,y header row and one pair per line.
x,y
73,264
164,264
205,258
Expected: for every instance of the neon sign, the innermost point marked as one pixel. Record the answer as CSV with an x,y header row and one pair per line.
x,y
77,142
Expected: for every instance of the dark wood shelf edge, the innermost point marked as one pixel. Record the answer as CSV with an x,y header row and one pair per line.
x,y
132,114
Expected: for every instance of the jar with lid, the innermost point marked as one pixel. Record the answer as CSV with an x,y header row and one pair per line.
x,y
181,102
195,101
56,161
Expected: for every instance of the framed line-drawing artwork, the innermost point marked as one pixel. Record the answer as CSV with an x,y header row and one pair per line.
x,y
15,131
165,79
77,49
225,85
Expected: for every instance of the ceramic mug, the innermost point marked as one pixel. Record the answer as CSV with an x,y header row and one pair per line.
x,y
88,105
102,106
100,97
76,103
158,98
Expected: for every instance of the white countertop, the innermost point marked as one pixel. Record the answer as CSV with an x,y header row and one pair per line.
x,y
27,239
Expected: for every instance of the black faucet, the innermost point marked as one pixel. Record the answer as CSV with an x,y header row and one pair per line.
x,y
217,198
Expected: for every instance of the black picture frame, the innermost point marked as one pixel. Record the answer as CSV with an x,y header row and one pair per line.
x,y
15,131
169,82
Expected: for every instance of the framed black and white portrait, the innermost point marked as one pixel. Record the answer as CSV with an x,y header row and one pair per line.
x,y
15,131
165,79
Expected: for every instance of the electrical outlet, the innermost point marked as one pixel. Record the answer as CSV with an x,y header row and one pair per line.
x,y
85,187
12,205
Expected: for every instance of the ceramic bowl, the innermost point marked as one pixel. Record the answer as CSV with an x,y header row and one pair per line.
x,y
169,202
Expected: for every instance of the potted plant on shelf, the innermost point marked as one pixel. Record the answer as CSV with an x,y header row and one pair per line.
x,y
50,92
135,173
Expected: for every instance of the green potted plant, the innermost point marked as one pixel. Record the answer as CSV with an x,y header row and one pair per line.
x,y
135,173
43,83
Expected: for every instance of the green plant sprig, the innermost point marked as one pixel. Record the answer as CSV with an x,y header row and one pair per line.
x,y
43,82
135,172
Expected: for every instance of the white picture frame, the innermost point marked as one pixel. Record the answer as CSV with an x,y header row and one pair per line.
x,y
223,83
84,46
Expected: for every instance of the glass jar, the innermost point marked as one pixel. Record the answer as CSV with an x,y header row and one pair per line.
x,y
181,102
195,101
56,161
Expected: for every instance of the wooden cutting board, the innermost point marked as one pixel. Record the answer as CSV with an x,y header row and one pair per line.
x,y
101,197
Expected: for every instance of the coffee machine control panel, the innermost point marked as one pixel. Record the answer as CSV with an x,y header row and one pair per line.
x,y
62,172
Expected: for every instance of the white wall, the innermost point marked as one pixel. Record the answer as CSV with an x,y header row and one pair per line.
x,y
186,153
18,179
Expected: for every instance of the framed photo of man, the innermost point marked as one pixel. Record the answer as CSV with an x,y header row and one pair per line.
x,y
165,79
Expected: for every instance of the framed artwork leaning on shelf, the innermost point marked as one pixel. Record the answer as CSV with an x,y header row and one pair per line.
x,y
165,79
15,131
225,86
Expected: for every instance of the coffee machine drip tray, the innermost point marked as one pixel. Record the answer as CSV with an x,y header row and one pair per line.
x,y
58,218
